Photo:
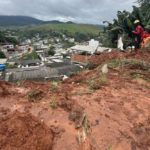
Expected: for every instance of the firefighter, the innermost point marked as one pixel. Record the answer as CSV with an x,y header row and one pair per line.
x,y
138,35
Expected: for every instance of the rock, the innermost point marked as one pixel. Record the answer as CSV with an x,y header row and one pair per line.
x,y
105,69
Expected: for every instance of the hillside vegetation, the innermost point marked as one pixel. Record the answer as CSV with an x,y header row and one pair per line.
x,y
73,28
124,24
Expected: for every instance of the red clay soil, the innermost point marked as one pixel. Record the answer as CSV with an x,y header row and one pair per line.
x,y
80,58
118,114
23,131
3,90
97,60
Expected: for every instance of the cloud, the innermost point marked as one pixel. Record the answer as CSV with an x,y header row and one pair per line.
x,y
80,11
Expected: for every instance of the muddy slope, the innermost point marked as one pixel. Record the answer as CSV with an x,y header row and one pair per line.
x,y
22,131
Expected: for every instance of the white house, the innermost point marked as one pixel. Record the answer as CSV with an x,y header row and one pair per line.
x,y
78,49
93,43
6,47
28,41
71,40
57,39
24,47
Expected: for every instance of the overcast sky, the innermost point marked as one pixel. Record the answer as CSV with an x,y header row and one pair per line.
x,y
79,11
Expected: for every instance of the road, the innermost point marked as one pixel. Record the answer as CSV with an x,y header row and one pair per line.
x,y
31,50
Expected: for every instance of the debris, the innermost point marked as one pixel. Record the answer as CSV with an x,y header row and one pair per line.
x,y
84,133
97,121
79,138
65,77
105,69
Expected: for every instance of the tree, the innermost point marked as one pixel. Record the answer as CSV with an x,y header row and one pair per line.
x,y
124,24
9,66
12,40
31,56
143,2
51,52
84,53
2,38
52,47
2,55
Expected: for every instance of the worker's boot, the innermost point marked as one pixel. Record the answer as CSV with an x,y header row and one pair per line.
x,y
137,51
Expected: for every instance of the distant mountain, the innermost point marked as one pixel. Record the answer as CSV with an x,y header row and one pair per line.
x,y
25,20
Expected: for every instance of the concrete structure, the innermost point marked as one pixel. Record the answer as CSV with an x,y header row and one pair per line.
x,y
28,41
5,47
36,46
24,47
93,43
71,40
78,49
3,61
26,63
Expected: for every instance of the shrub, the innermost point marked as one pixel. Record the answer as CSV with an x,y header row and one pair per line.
x,y
53,102
54,85
51,52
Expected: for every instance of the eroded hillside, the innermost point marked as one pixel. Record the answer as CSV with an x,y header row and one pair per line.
x,y
89,111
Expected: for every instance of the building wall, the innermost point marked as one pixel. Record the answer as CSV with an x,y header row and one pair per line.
x,y
94,43
24,48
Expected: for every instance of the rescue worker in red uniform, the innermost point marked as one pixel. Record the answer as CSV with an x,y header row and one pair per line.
x,y
138,35
145,35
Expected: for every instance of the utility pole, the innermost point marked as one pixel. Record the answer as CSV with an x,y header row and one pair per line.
x,y
86,58
72,57
44,57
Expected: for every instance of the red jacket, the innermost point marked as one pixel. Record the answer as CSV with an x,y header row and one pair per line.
x,y
145,36
139,30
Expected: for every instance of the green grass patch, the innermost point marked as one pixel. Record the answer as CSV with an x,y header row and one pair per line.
x,y
31,94
73,28
54,85
53,102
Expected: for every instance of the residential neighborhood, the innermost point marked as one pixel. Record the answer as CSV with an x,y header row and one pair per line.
x,y
38,52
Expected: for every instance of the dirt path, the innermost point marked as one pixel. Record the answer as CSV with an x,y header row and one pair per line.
x,y
31,50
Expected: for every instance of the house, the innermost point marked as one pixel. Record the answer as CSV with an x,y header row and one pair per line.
x,y
33,74
57,39
24,47
51,40
5,47
37,46
45,41
16,37
28,41
78,49
17,50
3,60
71,40
93,43
26,63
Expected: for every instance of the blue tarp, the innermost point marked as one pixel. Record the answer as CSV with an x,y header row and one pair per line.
x,y
2,67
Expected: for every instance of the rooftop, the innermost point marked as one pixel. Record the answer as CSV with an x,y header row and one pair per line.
x,y
3,61
84,48
40,74
23,62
